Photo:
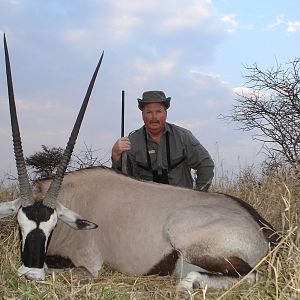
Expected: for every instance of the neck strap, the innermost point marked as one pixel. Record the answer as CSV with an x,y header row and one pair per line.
x,y
167,148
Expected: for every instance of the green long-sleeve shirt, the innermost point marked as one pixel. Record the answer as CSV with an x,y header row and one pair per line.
x,y
185,150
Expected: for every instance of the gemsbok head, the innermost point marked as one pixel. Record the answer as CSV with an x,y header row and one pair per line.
x,y
37,218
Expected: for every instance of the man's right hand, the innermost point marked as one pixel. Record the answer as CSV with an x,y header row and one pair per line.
x,y
121,145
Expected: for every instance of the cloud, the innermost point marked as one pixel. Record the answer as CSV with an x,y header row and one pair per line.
x,y
109,30
14,3
290,26
76,36
248,92
242,91
202,77
231,22
135,21
280,20
122,26
146,71
134,6
195,74
186,16
293,26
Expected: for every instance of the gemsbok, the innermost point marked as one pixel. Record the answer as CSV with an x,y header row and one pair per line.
x,y
144,227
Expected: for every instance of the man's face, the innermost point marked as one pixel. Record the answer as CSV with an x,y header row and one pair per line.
x,y
154,116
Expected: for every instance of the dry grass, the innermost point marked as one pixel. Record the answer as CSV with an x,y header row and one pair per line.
x,y
275,197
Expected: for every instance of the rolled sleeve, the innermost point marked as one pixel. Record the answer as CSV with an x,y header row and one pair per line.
x,y
116,164
200,160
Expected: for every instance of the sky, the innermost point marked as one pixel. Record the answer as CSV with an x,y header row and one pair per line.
x,y
195,51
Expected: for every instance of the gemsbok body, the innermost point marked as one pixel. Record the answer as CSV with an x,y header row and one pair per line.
x,y
150,228
144,227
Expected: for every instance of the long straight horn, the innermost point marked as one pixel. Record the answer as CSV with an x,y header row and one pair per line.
x,y
24,184
54,188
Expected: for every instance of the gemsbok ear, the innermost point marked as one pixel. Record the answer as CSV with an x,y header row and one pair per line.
x,y
10,208
73,219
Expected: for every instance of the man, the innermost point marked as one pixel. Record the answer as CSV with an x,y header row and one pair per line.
x,y
163,152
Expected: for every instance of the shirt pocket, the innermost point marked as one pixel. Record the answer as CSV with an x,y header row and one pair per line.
x,y
142,169
177,158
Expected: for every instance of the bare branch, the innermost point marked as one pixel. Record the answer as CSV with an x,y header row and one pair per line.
x,y
270,107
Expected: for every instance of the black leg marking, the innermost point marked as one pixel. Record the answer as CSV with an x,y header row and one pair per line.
x,y
58,262
230,266
166,266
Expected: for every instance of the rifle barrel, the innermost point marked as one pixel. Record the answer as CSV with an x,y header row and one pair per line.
x,y
122,114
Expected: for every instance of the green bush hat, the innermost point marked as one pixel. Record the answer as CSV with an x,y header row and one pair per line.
x,y
154,97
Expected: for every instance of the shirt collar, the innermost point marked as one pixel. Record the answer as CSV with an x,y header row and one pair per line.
x,y
167,127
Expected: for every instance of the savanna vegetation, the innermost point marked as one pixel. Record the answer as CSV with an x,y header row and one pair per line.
x,y
275,196
272,107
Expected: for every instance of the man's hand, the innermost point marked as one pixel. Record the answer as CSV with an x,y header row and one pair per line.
x,y
121,145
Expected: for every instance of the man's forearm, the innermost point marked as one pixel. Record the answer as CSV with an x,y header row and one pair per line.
x,y
205,176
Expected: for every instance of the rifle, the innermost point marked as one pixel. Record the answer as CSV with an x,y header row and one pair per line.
x,y
122,114
124,154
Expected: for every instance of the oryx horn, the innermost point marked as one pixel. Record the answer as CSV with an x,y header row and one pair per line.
x,y
52,193
24,184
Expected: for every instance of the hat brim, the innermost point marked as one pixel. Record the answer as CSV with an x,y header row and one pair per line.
x,y
142,103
